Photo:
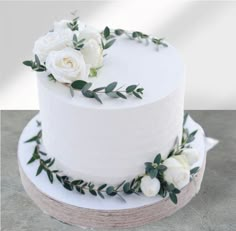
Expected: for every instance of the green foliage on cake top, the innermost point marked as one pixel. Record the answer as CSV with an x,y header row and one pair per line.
x,y
73,51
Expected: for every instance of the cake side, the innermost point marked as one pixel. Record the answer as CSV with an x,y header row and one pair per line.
x,y
109,145
111,142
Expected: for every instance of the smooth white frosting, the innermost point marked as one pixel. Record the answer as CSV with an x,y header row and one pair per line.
x,y
110,142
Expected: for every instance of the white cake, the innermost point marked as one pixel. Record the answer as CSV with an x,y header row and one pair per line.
x,y
110,142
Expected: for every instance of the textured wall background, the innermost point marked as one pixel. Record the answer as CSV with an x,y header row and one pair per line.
x,y
204,33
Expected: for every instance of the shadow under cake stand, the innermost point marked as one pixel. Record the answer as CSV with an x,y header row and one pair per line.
x,y
94,212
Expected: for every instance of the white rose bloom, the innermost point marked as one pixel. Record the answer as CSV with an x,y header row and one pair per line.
x,y
66,65
92,50
177,172
61,25
191,155
150,187
52,41
88,32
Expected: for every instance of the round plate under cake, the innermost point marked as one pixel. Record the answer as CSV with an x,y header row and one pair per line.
x,y
95,212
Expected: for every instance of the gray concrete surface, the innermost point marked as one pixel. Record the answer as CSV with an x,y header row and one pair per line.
x,y
213,209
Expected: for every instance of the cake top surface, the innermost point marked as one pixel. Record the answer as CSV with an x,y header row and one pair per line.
x,y
97,66
129,62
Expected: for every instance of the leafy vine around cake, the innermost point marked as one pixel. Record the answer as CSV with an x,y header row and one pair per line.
x,y
154,176
72,53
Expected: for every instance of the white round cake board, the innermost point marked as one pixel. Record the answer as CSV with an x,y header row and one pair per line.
x,y
89,211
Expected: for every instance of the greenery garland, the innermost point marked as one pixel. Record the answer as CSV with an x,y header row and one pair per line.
x,y
153,169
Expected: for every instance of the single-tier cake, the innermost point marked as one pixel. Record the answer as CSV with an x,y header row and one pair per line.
x,y
111,123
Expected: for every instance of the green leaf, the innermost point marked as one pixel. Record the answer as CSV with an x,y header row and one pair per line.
x,y
121,95
75,39
191,136
34,138
78,84
86,87
170,187
37,60
194,170
173,198
80,190
68,186
98,89
43,153
32,159
110,191
157,159
93,192
153,173
162,168
126,188
59,178
52,162
131,88
28,63
40,168
46,161
106,32
101,187
97,97
109,44
77,182
135,34
176,191
137,95
185,118
113,94
119,32
100,194
50,176
110,87
81,40
140,90
88,94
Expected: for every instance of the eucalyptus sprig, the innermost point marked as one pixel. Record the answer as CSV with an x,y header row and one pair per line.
x,y
78,44
35,65
107,38
73,25
110,90
110,35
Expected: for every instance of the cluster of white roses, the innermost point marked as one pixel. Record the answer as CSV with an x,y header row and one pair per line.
x,y
56,51
177,173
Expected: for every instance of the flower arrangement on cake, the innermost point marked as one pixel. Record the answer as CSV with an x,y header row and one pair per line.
x,y
72,52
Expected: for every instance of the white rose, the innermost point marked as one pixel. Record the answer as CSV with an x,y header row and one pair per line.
x,y
88,32
191,155
61,25
66,65
52,41
92,50
178,171
150,187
